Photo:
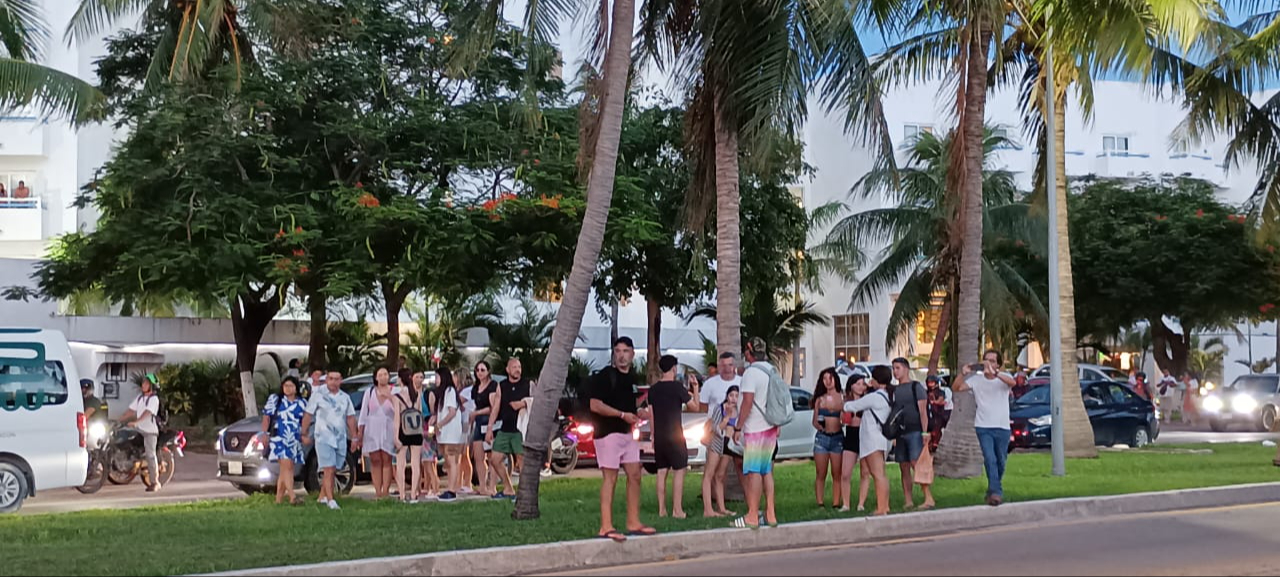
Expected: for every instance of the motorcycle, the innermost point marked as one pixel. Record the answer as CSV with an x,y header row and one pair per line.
x,y
96,444
564,448
127,456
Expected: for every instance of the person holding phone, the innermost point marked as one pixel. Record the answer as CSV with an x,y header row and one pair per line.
x,y
991,392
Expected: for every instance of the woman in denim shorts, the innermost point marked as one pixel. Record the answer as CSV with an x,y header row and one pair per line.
x,y
828,441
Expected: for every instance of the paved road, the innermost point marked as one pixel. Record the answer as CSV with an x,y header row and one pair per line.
x,y
1184,435
192,481
1224,541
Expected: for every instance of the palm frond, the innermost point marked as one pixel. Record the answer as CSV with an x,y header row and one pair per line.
x,y
52,92
23,30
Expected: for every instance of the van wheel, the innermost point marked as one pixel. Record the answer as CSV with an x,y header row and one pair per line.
x,y
13,487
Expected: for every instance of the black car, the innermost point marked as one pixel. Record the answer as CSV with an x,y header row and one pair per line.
x,y
1118,416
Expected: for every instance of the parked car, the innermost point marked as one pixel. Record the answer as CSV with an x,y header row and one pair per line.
x,y
42,422
795,441
1250,400
242,461
1118,416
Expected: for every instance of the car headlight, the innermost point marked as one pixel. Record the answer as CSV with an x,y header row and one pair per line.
x,y
1213,404
1243,404
694,433
264,474
1044,421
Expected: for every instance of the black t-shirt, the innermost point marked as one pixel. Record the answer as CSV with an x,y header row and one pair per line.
x,y
100,414
615,389
902,397
511,392
667,398
482,398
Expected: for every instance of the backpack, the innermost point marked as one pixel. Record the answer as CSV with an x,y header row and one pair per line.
x,y
896,426
411,419
161,417
778,408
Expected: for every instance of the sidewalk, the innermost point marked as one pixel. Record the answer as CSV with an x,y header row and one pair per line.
x,y
571,555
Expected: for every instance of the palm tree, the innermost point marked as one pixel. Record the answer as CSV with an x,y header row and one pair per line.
x,y
923,256
1207,357
781,325
24,82
748,67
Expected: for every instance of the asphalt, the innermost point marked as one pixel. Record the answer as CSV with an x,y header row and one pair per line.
x,y
1237,540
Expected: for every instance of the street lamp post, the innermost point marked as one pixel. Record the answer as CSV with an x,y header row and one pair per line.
x,y
1055,297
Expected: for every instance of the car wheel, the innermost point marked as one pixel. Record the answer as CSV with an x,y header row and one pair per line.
x,y
1268,420
1141,438
96,475
345,478
14,488
1217,426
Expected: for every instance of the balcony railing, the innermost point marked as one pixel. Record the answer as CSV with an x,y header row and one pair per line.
x,y
21,219
20,203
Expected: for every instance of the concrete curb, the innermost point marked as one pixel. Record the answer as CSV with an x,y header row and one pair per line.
x,y
571,555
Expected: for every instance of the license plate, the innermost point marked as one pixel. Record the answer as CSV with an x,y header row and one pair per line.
x,y
235,468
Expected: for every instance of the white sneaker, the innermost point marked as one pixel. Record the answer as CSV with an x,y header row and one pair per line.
x,y
546,473
322,501
334,505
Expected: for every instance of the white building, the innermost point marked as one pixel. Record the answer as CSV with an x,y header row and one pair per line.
x,y
1131,134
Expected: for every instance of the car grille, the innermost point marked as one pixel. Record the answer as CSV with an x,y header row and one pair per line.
x,y
236,442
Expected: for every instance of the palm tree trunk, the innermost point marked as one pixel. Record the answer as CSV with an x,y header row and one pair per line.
x,y
1076,429
604,163
959,455
655,340
728,238
940,337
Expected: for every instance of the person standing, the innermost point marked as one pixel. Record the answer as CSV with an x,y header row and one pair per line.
x,y
991,392
667,399
334,417
480,416
22,191
142,416
509,399
912,399
430,488
758,438
282,425
379,415
452,434
1190,391
465,381
411,434
1169,398
876,405
1139,385
727,420
612,393
828,440
939,416
712,398
853,445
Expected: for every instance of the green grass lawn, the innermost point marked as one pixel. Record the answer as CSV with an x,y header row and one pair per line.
x,y
225,535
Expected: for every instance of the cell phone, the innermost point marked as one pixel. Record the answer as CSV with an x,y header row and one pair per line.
x,y
976,367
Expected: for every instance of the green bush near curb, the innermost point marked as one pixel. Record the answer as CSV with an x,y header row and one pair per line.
x,y
227,535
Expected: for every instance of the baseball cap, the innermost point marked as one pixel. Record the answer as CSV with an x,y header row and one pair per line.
x,y
625,341
758,347
667,362
86,383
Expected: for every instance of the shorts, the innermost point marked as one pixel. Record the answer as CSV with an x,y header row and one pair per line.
x,y
616,450
330,457
508,443
853,440
670,456
429,450
908,447
479,429
824,444
758,450
452,450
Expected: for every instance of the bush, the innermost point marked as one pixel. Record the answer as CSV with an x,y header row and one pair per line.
x,y
201,389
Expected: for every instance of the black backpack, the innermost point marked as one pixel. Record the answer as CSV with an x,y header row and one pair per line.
x,y
896,425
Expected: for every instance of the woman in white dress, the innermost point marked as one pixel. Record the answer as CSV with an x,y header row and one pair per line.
x,y
449,429
875,408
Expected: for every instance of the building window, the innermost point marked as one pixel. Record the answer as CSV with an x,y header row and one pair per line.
x,y
914,131
927,320
1115,144
17,185
853,337
116,372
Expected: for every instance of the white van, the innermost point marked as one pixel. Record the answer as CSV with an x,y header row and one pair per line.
x,y
42,422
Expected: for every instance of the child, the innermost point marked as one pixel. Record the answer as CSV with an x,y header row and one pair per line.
x,y
728,419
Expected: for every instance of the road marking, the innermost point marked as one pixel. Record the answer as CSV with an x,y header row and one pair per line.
x,y
923,539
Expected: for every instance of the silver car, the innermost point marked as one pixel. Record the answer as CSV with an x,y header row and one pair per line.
x,y
795,441
1251,400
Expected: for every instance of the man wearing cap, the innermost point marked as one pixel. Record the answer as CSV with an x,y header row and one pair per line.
x,y
94,409
667,399
612,393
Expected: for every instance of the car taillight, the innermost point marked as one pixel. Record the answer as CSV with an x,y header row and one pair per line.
x,y
82,424
585,429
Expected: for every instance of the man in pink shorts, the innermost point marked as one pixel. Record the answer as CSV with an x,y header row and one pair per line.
x,y
613,393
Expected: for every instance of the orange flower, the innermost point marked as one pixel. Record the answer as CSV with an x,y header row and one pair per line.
x,y
1161,217
551,202
298,230
490,205
507,196
280,234
299,252
494,217
359,185
368,201
282,263
431,40
304,270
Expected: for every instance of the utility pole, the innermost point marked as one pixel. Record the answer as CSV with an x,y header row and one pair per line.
x,y
1055,291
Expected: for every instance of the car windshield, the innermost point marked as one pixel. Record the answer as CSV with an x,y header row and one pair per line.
x,y
1036,396
1254,385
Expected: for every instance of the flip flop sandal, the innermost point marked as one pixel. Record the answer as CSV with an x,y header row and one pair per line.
x,y
615,536
643,532
741,523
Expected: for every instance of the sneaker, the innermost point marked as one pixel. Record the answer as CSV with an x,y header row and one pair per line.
x,y
322,501
467,491
333,505
546,473
153,488
499,495
448,496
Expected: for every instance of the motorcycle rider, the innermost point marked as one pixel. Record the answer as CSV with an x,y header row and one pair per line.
x,y
95,410
142,416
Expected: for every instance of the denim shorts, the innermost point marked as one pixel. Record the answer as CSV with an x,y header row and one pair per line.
x,y
909,447
330,457
828,444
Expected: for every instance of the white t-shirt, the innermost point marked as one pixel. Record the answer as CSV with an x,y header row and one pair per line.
x,y
992,396
871,433
756,381
146,404
716,389
950,406
451,433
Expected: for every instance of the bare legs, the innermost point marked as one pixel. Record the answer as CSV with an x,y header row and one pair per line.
x,y
908,470
497,462
284,485
380,465
875,462
452,459
677,502
822,461
864,484
481,468
709,477
848,461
